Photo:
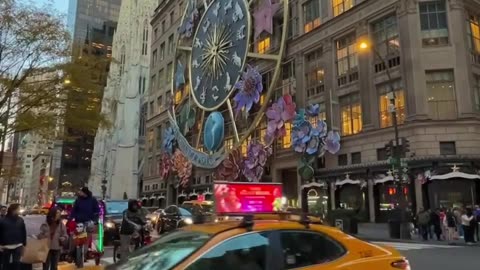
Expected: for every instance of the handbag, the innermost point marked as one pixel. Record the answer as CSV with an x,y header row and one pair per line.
x,y
36,251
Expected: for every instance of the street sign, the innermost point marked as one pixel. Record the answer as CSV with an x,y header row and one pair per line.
x,y
339,224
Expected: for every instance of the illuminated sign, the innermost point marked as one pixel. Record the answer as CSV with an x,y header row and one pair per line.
x,y
231,197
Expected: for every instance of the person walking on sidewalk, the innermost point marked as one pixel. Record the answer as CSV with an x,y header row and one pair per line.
x,y
13,238
450,224
436,224
458,212
468,230
477,222
56,232
423,219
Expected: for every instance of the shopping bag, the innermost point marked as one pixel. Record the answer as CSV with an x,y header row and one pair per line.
x,y
36,251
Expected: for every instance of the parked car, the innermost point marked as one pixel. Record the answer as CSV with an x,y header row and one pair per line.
x,y
174,217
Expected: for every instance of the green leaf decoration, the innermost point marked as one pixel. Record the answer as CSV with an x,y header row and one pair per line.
x,y
187,118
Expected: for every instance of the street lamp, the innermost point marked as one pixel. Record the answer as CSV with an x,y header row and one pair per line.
x,y
397,150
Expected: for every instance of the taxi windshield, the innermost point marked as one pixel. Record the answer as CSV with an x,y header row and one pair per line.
x,y
166,252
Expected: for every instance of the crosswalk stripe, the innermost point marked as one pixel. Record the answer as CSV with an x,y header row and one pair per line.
x,y
413,246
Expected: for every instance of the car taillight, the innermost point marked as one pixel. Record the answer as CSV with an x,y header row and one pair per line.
x,y
402,264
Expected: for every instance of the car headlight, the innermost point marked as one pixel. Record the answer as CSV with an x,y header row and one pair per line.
x,y
109,224
153,218
22,211
188,221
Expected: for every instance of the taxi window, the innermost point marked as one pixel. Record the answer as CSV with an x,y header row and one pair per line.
x,y
166,252
245,252
302,249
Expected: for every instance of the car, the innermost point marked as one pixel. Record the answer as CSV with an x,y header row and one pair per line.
x,y
262,245
154,217
174,217
113,219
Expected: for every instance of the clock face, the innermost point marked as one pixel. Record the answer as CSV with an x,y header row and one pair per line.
x,y
219,51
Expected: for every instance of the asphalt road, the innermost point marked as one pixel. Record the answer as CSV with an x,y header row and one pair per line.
x,y
421,256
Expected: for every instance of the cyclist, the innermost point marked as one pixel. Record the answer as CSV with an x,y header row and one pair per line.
x,y
133,220
85,208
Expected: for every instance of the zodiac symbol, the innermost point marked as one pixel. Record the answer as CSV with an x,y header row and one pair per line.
x,y
214,97
227,6
206,26
197,83
198,43
195,64
215,10
202,95
228,86
215,88
238,14
240,33
236,59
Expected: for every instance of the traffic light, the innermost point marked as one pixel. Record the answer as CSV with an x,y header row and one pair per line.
x,y
405,145
389,149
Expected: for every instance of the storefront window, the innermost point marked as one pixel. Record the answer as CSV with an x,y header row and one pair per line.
x,y
452,193
351,197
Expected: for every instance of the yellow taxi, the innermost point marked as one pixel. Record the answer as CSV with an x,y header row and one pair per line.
x,y
264,244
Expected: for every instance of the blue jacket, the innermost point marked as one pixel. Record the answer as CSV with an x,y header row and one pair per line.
x,y
85,209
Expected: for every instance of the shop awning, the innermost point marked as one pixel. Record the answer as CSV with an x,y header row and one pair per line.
x,y
455,175
314,184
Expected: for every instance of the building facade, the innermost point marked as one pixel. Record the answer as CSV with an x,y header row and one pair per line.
x,y
117,156
425,52
92,25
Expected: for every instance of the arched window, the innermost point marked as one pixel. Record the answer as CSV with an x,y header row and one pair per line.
x,y
122,60
145,39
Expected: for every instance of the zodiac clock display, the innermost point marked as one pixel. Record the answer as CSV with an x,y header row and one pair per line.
x,y
218,97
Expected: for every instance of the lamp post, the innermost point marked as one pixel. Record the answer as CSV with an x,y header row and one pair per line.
x,y
396,151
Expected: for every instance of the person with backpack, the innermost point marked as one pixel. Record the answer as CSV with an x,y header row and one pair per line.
x,y
450,223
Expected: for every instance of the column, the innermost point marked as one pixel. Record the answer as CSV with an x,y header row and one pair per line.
x,y
332,195
371,200
418,193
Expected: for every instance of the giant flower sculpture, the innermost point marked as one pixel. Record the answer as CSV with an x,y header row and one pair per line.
x,y
249,89
231,167
280,112
254,163
165,166
182,166
312,140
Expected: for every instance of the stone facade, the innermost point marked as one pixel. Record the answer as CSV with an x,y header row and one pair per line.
x,y
117,157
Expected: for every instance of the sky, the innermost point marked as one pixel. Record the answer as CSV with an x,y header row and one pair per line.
x,y
60,5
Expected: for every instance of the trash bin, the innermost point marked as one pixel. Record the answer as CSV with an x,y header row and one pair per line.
x,y
394,227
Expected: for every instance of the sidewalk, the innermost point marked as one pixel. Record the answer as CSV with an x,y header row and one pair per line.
x,y
379,232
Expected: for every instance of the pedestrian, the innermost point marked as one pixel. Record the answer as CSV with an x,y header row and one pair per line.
x,y
56,232
477,222
435,221
13,238
458,212
85,208
450,224
468,230
3,211
423,219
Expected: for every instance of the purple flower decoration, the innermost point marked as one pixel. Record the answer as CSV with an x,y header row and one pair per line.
x,y
332,142
313,110
257,155
249,89
320,130
278,114
312,146
301,136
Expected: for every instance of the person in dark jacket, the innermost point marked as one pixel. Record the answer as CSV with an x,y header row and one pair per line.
x,y
133,220
436,223
85,208
3,211
13,238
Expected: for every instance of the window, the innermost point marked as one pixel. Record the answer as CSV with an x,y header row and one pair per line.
x,y
356,158
342,160
304,249
155,33
228,144
386,42
160,102
143,119
474,34
385,94
150,139
433,23
162,51
476,91
159,137
248,250
314,73
163,27
147,187
340,6
170,44
346,58
351,114
321,116
172,17
448,148
263,45
287,139
441,99
145,39
169,72
382,154
245,146
152,108
161,78
311,14
154,83
154,58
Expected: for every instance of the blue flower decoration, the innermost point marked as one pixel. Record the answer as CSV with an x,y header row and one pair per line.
x,y
249,88
168,140
332,142
313,110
